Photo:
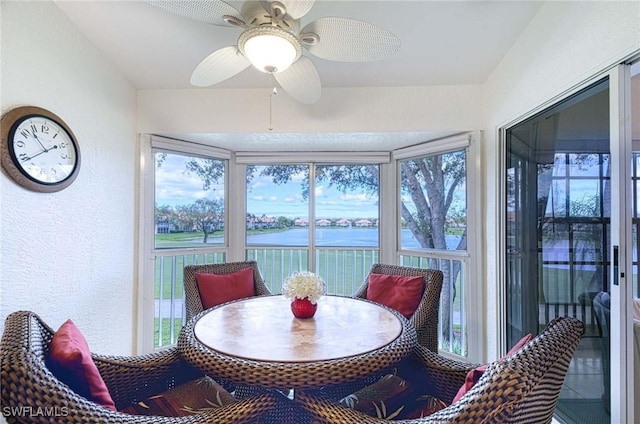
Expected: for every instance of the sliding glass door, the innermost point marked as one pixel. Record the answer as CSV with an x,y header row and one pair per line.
x,y
568,241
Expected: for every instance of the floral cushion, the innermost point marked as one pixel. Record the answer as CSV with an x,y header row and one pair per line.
x,y
392,397
189,398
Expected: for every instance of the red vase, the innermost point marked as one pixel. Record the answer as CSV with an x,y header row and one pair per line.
x,y
303,308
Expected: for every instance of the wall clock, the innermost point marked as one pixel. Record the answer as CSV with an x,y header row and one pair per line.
x,y
39,150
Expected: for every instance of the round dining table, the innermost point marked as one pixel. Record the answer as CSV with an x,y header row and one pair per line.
x,y
258,342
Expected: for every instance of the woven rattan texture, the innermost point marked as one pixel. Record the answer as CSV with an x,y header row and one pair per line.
x,y
523,388
295,375
425,318
193,303
28,387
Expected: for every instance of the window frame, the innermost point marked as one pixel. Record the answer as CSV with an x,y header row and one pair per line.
x,y
235,199
148,145
476,292
344,158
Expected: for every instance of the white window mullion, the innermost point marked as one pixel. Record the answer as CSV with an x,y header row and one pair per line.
x,y
476,290
146,270
236,207
312,218
389,195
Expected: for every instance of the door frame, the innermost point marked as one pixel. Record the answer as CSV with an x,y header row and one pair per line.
x,y
620,144
622,372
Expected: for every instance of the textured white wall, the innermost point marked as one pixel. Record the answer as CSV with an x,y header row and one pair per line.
x,y
381,109
566,43
71,254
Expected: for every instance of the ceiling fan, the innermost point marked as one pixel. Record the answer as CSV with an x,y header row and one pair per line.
x,y
272,41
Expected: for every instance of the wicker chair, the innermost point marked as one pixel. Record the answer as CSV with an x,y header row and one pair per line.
x,y
425,318
193,303
27,384
522,388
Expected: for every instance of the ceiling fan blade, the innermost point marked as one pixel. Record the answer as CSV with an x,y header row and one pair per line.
x,y
295,8
207,11
219,66
301,81
349,40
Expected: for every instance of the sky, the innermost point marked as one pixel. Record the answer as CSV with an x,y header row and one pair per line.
x,y
174,186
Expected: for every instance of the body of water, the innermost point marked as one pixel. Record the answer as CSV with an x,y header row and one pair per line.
x,y
327,237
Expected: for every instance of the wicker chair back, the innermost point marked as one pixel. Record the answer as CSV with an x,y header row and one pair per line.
x,y
193,303
425,318
30,393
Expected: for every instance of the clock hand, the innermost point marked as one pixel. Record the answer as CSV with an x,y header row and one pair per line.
x,y
39,142
39,153
31,157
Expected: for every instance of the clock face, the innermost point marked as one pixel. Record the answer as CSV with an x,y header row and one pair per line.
x,y
42,149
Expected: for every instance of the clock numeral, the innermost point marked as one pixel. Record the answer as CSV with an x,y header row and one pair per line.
x,y
20,144
63,145
64,156
23,157
25,133
44,129
33,128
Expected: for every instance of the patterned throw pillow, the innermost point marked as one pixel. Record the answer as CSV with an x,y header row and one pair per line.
x,y
189,398
392,398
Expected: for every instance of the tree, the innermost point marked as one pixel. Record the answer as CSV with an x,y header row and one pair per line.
x,y
203,215
166,216
430,184
284,222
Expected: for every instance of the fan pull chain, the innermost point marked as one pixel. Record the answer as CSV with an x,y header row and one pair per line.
x,y
273,93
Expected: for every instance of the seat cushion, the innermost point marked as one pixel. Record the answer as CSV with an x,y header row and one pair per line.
x,y
392,397
474,375
69,359
216,289
186,399
400,293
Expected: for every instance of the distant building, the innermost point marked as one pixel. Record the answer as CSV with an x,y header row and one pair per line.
x,y
301,222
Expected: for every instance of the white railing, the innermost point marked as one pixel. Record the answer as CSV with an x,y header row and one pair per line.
x,y
344,270
453,317
169,290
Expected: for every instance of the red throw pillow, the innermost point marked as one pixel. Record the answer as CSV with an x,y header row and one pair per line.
x,y
216,289
474,375
70,360
400,293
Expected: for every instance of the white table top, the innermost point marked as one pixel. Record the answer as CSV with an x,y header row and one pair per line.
x,y
264,329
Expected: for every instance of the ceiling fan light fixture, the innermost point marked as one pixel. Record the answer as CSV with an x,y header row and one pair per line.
x,y
269,49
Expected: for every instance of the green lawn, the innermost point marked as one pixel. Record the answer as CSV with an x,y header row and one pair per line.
x,y
166,331
169,272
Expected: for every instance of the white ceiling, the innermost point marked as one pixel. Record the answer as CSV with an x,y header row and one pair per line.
x,y
442,43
